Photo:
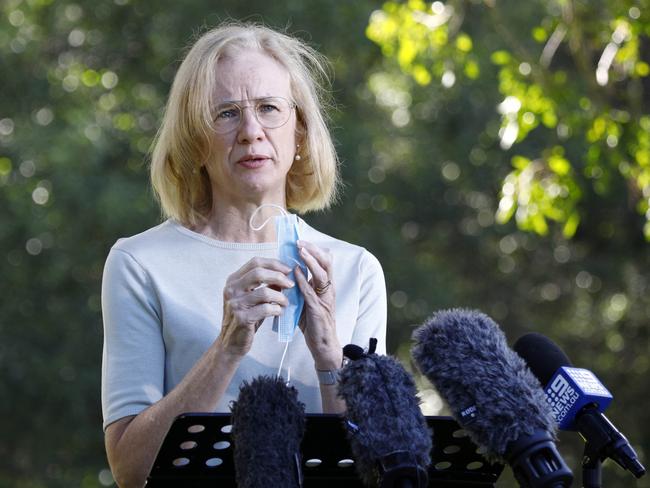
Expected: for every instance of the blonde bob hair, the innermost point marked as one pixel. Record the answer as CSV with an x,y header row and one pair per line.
x,y
183,144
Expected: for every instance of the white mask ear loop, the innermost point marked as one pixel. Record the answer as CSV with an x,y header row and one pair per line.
x,y
250,224
250,221
286,346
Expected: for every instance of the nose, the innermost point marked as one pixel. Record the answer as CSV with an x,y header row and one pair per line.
x,y
250,129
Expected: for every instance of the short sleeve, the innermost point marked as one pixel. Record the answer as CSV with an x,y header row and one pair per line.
x,y
133,361
371,319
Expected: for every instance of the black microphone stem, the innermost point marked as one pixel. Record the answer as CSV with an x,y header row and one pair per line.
x,y
604,441
592,472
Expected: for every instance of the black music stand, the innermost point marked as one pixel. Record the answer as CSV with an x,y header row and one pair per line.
x,y
197,453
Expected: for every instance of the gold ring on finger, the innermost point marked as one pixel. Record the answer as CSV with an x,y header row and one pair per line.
x,y
323,288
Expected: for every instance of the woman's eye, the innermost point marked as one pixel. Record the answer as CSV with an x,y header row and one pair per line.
x,y
267,107
227,113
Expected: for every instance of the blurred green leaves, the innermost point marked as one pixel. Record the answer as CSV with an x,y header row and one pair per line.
x,y
424,40
538,191
576,84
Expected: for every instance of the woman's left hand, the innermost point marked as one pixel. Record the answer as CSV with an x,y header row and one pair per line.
x,y
318,321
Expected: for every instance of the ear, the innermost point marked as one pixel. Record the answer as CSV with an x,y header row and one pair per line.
x,y
301,130
301,137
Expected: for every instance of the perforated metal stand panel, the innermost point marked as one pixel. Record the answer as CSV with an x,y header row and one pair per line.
x,y
197,453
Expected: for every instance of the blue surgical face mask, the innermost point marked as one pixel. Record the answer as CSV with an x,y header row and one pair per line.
x,y
287,229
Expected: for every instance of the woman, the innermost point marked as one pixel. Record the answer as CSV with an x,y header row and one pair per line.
x,y
189,305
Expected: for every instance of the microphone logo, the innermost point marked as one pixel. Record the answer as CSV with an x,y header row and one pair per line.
x,y
468,415
561,396
570,390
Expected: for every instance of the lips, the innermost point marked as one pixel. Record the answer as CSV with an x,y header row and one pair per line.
x,y
252,161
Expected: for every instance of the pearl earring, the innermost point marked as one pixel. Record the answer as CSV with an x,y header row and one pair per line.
x,y
297,156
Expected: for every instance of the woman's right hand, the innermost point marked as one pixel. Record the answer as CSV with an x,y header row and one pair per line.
x,y
251,294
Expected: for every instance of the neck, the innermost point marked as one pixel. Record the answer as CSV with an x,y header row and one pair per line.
x,y
231,223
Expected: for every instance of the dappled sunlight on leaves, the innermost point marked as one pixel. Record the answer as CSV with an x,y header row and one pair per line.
x,y
419,36
563,89
540,190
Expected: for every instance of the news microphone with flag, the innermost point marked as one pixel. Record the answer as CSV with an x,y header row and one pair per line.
x,y
578,400
492,394
268,424
388,434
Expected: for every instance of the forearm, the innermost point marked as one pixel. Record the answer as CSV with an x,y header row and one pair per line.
x,y
132,449
331,402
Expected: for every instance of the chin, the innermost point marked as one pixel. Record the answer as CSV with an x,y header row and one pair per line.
x,y
255,187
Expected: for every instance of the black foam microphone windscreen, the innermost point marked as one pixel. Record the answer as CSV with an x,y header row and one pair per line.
x,y
388,433
492,394
268,424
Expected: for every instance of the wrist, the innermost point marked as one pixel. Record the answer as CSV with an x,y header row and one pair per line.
x,y
329,377
328,371
329,355
329,362
227,356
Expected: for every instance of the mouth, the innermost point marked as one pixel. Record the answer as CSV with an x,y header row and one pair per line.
x,y
253,161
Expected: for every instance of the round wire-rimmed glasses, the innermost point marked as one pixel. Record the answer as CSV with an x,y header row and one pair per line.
x,y
270,112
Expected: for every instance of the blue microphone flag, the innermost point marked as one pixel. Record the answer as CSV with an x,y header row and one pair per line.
x,y
570,390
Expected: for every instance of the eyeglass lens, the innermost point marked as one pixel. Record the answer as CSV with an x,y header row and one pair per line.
x,y
271,112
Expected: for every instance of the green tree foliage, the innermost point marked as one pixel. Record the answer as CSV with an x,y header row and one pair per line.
x,y
573,89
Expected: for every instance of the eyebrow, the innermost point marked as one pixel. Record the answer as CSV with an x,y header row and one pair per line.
x,y
249,99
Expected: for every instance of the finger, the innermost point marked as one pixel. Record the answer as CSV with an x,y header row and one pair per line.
x,y
259,262
236,284
307,291
259,296
267,295
262,276
254,315
318,272
323,256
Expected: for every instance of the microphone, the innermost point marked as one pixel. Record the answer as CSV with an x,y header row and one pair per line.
x,y
268,423
578,400
492,394
388,434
